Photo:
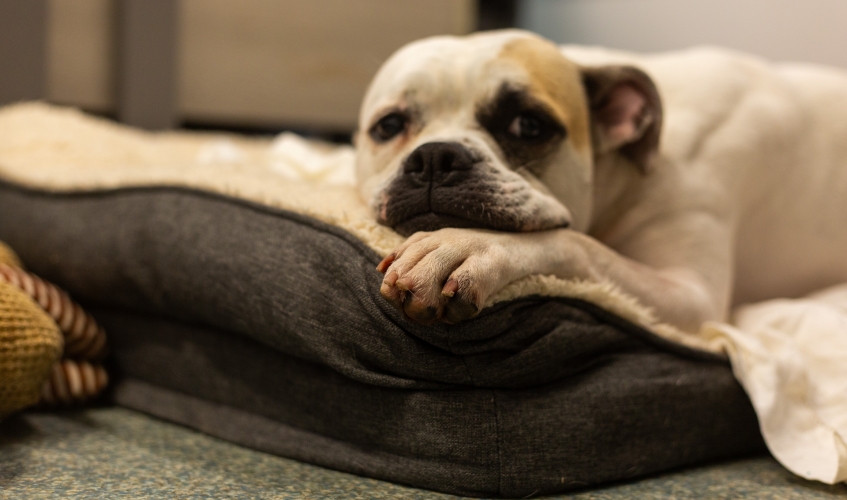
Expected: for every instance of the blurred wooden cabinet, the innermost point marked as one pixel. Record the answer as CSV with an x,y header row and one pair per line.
x,y
255,63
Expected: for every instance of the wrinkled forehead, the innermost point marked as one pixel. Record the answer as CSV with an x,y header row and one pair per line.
x,y
454,73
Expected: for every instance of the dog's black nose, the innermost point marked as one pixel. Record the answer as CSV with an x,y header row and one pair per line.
x,y
438,157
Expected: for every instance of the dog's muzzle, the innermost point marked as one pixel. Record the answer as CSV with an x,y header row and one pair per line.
x,y
444,184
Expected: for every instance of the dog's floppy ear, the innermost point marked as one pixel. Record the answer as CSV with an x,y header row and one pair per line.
x,y
626,112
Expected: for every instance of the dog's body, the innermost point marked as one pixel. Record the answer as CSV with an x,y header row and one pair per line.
x,y
521,161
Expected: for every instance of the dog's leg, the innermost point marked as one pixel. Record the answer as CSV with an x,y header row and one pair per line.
x,y
448,274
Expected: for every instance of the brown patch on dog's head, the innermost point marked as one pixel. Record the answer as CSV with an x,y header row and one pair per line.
x,y
556,82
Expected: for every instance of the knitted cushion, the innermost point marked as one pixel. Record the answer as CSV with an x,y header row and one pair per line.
x,y
37,323
30,343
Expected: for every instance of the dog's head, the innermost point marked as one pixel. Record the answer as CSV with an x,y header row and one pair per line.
x,y
496,130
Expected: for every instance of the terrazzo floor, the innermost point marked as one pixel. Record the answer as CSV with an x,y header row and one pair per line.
x,y
118,453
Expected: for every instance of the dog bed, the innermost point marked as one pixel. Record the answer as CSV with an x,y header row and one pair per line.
x,y
245,303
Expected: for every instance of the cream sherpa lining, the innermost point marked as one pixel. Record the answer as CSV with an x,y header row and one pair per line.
x,y
60,149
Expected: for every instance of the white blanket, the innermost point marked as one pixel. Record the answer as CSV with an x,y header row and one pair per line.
x,y
791,358
790,355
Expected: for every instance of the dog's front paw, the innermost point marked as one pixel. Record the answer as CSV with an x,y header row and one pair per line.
x,y
444,275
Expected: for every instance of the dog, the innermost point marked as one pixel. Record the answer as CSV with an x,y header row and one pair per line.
x,y
692,180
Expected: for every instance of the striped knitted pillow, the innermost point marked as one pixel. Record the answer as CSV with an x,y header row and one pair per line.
x,y
36,321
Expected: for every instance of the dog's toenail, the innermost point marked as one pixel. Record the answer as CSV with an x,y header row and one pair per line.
x,y
390,278
386,263
450,288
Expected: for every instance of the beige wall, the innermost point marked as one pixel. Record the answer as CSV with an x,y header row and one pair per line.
x,y
80,53
782,30
253,62
308,60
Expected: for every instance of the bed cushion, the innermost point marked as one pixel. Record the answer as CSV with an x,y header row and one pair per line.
x,y
236,278
266,327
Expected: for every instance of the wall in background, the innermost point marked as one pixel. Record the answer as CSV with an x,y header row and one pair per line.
x,y
781,30
21,53
303,62
81,53
244,63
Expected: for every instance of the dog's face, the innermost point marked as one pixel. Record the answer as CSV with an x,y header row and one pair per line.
x,y
495,130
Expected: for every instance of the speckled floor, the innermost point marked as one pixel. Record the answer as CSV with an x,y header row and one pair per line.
x,y
118,453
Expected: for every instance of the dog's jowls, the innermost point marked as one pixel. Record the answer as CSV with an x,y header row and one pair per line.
x,y
691,180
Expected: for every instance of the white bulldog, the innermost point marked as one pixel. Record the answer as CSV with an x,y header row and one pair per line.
x,y
693,180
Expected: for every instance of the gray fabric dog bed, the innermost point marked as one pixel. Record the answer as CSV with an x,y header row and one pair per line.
x,y
261,325
266,328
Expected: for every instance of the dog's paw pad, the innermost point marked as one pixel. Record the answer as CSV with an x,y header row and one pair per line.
x,y
459,309
420,312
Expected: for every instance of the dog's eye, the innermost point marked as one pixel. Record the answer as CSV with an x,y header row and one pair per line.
x,y
528,127
388,127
